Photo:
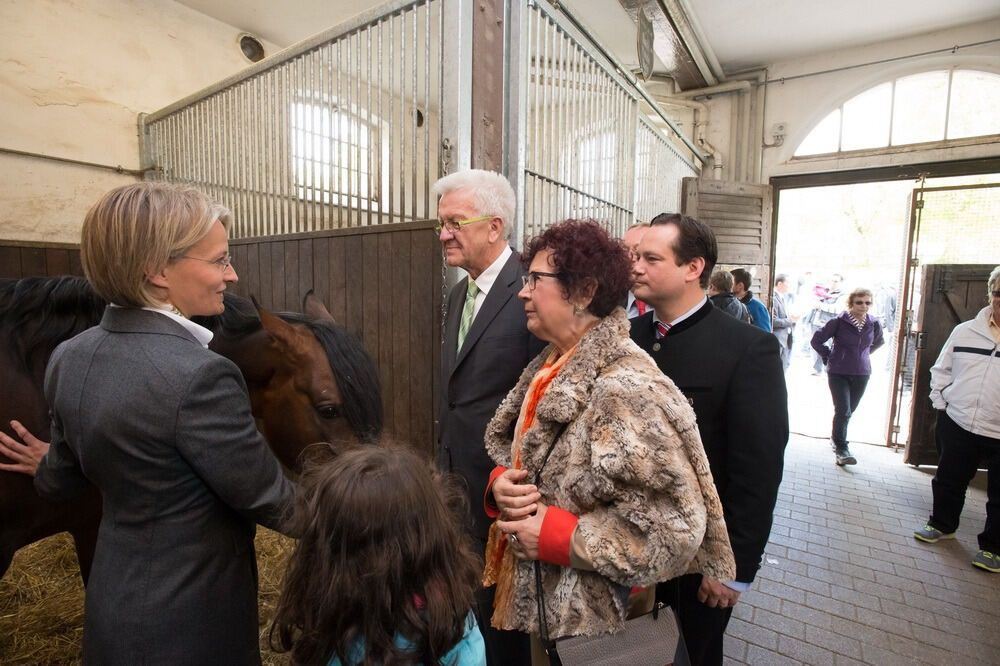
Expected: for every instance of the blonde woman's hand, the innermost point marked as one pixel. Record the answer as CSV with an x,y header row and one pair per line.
x,y
516,500
26,454
524,533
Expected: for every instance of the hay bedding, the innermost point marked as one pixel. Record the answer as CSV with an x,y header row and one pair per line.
x,y
41,600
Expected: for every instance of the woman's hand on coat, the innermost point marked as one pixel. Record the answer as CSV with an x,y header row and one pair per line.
x,y
516,500
524,533
26,454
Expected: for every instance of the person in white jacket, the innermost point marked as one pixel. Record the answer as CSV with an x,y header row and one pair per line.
x,y
965,386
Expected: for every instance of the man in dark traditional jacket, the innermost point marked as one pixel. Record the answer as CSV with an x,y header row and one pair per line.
x,y
732,375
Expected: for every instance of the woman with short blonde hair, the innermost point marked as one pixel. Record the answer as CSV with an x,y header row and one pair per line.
x,y
136,230
161,426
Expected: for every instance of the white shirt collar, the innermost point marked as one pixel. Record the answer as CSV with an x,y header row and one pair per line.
x,y
489,276
684,316
200,333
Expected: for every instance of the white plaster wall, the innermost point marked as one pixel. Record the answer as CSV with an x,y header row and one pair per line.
x,y
801,103
74,75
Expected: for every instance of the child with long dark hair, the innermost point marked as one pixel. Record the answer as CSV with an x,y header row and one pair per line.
x,y
382,573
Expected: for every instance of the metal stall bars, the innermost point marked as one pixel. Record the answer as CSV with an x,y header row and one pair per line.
x,y
580,141
660,168
341,130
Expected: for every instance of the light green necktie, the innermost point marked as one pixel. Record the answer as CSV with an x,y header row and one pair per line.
x,y
470,307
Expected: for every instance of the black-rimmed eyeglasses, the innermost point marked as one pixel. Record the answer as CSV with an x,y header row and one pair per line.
x,y
529,279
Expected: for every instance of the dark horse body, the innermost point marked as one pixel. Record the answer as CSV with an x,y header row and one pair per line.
x,y
309,381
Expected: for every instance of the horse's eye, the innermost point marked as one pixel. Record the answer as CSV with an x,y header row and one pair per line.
x,y
328,411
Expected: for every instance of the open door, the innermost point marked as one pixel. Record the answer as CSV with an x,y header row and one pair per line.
x,y
740,216
950,294
951,246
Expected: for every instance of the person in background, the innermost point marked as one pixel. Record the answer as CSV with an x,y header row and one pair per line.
x,y
601,474
731,373
383,571
720,294
486,346
162,427
825,308
782,323
759,316
853,336
633,307
965,387
885,305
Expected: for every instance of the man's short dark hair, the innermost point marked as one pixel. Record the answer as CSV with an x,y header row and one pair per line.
x,y
742,276
779,278
694,239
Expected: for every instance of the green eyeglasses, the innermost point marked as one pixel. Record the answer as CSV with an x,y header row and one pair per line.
x,y
455,226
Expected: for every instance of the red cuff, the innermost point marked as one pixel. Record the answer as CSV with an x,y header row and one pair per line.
x,y
556,534
489,503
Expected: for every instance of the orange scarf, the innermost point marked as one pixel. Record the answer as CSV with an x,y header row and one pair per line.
x,y
500,561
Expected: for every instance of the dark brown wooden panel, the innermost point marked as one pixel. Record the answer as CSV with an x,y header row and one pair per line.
x,y
306,280
386,280
349,253
33,261
75,265
319,253
10,262
57,261
369,292
274,286
397,336
422,316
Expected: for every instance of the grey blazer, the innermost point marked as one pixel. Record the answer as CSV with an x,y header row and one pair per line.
x,y
781,325
497,347
162,427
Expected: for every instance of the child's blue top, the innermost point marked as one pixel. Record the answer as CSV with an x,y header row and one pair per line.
x,y
470,651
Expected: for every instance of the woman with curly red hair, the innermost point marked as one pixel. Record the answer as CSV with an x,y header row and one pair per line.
x,y
602,483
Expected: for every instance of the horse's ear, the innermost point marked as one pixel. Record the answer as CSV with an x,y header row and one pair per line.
x,y
314,307
278,328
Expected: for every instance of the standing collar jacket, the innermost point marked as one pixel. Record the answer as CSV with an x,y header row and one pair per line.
x,y
965,380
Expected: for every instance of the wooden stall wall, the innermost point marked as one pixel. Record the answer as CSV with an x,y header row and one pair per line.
x,y
27,259
385,285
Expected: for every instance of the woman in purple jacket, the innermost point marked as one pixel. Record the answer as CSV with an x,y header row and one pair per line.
x,y
853,336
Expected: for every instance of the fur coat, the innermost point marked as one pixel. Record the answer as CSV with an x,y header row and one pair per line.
x,y
630,465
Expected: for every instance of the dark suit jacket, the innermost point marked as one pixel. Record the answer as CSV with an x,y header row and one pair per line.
x,y
497,347
163,428
732,375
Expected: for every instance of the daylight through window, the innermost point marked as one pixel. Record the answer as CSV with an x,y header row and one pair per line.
x,y
930,106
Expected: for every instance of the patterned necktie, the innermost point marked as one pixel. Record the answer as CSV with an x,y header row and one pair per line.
x,y
661,329
470,307
640,306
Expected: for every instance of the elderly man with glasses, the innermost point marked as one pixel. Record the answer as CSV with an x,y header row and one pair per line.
x,y
486,346
965,386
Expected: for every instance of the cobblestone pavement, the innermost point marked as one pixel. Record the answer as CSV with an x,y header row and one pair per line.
x,y
844,581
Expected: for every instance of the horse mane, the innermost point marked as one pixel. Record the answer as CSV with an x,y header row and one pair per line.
x,y
354,370
37,313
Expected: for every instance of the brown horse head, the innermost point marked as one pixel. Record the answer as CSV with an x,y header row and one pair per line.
x,y
309,379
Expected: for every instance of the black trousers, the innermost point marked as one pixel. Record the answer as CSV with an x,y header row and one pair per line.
x,y
846,391
701,626
960,452
502,647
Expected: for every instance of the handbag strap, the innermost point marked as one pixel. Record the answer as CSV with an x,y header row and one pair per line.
x,y
543,627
